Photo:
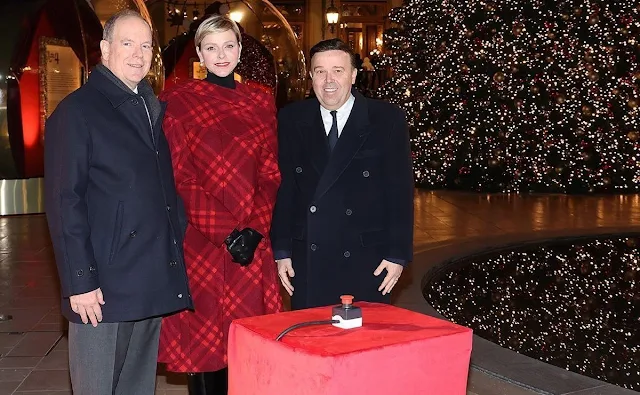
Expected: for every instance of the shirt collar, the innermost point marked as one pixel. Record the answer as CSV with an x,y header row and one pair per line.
x,y
345,109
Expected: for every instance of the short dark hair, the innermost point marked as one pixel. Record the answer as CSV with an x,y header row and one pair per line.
x,y
333,44
110,24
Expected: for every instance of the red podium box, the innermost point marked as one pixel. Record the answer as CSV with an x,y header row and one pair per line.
x,y
396,351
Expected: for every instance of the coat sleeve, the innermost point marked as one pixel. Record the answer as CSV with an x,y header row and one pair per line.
x,y
268,176
68,150
204,211
281,239
399,190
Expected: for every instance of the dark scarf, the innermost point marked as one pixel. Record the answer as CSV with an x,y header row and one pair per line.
x,y
144,89
225,82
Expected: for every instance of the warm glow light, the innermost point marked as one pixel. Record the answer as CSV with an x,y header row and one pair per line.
x,y
332,15
236,16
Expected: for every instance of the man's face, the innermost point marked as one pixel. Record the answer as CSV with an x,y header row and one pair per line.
x,y
129,53
332,75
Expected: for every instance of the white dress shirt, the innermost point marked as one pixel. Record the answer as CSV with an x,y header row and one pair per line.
x,y
342,115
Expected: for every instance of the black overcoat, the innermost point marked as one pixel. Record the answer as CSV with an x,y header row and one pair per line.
x,y
114,217
338,215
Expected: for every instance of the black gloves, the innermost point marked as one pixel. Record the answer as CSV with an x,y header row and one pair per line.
x,y
242,245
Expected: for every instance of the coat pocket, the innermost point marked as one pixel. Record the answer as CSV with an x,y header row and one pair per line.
x,y
372,237
117,230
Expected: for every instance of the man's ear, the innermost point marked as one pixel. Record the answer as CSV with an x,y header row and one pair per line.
x,y
104,49
354,73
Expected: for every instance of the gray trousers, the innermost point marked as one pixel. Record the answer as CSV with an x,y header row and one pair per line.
x,y
114,358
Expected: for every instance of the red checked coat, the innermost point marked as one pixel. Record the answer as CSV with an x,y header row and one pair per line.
x,y
224,150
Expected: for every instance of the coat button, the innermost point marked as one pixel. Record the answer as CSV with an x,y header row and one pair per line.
x,y
347,254
173,263
314,247
133,234
313,209
134,102
168,208
79,273
348,212
365,173
179,296
92,269
298,169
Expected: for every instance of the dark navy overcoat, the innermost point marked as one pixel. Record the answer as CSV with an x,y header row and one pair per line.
x,y
339,214
114,217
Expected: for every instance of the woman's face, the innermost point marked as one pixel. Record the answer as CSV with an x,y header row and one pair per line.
x,y
220,52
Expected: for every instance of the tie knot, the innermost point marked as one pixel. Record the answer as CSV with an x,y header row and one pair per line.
x,y
334,113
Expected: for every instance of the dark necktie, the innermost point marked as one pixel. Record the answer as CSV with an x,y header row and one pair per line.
x,y
333,132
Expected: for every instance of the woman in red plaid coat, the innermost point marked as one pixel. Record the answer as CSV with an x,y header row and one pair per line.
x,y
222,136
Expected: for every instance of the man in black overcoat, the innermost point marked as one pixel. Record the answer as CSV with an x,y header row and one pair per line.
x,y
115,220
343,220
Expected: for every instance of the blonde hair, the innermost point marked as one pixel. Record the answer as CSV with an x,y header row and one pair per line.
x,y
216,24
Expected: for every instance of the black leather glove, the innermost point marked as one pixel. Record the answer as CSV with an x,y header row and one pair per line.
x,y
242,245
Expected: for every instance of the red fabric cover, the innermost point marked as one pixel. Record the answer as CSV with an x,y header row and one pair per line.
x,y
396,351
224,151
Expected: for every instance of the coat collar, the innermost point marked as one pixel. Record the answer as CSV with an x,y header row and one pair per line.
x,y
242,95
106,83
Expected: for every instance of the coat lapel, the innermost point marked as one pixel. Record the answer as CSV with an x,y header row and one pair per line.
x,y
312,131
157,127
353,135
106,83
140,122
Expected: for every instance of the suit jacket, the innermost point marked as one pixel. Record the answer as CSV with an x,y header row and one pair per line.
x,y
113,213
338,214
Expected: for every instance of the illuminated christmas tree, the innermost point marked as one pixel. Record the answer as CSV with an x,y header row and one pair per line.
x,y
516,96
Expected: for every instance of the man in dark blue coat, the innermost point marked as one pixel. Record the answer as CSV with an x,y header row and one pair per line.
x,y
114,217
343,221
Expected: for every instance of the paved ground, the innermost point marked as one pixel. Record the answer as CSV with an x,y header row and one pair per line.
x,y
33,347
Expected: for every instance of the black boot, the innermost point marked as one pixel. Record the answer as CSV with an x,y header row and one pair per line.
x,y
196,384
216,382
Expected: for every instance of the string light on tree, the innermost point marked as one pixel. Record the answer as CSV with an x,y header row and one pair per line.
x,y
571,304
518,96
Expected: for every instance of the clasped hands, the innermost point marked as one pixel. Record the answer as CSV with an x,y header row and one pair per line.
x,y
242,245
394,271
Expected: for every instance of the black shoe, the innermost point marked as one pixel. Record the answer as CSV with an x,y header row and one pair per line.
x,y
196,384
216,382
